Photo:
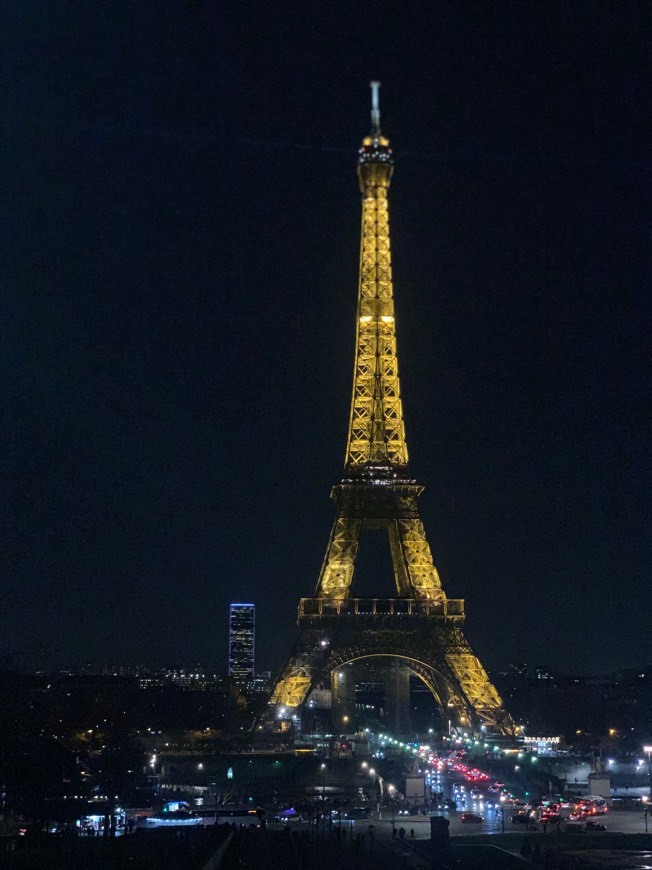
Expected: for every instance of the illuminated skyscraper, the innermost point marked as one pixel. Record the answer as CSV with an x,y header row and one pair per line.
x,y
242,634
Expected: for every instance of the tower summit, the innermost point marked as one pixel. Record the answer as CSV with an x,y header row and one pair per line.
x,y
376,442
421,627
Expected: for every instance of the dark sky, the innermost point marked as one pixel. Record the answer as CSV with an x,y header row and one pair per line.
x,y
180,253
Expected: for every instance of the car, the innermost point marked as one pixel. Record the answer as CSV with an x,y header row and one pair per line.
x,y
521,819
550,818
595,826
357,813
288,816
474,818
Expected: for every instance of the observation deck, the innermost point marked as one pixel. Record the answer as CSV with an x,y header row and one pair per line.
x,y
381,608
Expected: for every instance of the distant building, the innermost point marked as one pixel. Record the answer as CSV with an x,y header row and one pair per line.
x,y
542,745
259,684
242,632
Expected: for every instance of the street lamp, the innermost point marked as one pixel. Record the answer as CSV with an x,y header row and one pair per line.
x,y
648,751
391,789
645,810
378,781
214,790
502,812
323,797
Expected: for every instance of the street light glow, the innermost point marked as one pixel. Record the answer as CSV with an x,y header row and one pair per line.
x,y
648,751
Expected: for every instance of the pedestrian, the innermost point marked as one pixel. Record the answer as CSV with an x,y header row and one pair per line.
x,y
401,833
412,833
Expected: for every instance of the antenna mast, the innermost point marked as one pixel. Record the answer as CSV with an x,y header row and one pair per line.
x,y
375,107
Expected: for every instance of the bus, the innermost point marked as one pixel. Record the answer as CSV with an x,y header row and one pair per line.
x,y
235,816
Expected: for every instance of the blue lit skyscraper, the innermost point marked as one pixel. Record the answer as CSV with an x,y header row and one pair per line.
x,y
242,633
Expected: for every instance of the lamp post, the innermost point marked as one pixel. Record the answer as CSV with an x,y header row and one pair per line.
x,y
378,787
391,791
323,798
648,751
214,790
502,812
645,810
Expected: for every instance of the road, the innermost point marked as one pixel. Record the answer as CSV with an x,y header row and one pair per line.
x,y
625,821
475,798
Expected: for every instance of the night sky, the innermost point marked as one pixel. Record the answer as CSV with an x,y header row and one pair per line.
x,y
180,249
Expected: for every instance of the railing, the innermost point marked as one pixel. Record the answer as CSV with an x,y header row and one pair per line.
x,y
325,607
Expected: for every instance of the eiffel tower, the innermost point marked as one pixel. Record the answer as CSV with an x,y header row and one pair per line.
x,y
420,626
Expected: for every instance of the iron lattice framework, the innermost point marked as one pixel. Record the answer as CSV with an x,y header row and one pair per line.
x,y
421,626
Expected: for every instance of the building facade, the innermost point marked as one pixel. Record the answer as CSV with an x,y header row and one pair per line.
x,y
242,636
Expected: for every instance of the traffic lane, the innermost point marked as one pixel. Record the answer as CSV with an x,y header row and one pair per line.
x,y
421,825
628,822
625,821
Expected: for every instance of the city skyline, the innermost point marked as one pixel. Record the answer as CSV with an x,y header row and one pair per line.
x,y
181,277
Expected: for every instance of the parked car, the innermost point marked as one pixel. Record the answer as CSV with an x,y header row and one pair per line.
x,y
474,818
595,826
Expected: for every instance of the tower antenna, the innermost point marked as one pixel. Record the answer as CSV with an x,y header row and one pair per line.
x,y
375,107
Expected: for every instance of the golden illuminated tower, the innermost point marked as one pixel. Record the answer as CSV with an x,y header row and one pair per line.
x,y
421,626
